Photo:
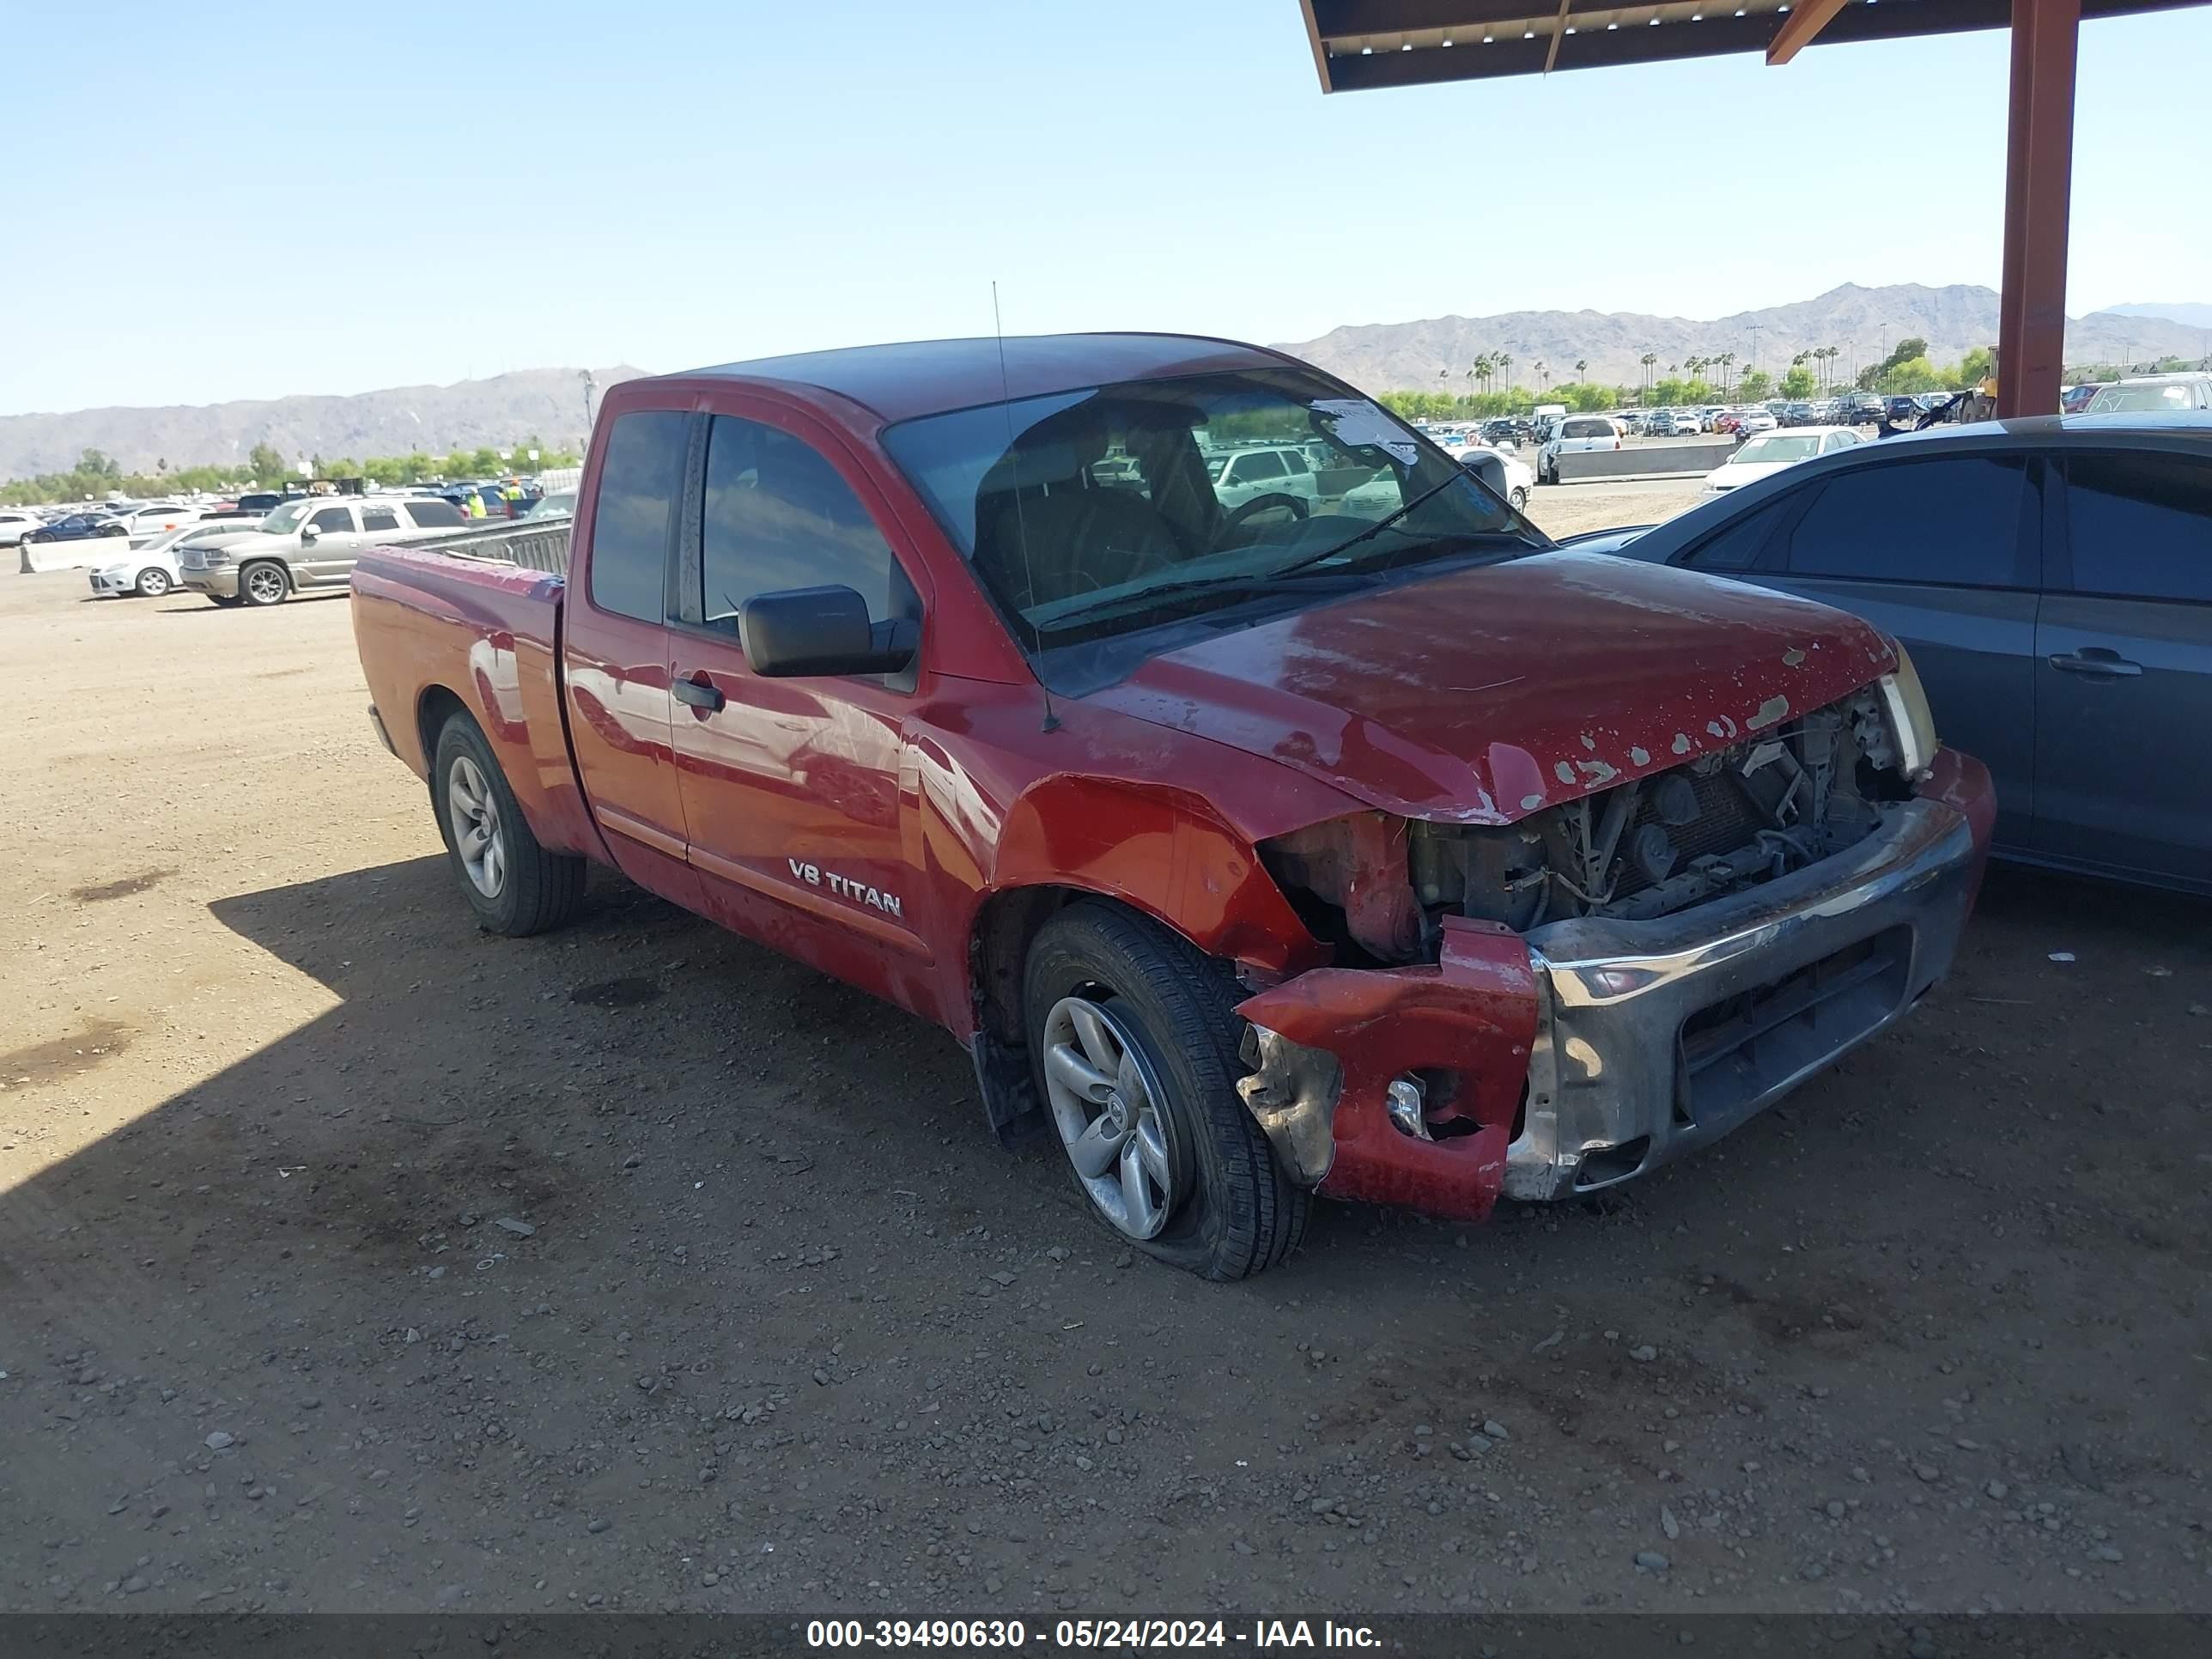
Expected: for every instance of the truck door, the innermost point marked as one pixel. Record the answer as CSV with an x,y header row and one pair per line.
x,y
614,650
797,795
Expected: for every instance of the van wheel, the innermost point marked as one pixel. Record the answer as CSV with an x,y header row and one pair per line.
x,y
264,583
514,884
1134,1038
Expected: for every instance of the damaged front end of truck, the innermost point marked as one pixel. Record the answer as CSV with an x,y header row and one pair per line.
x,y
1564,1001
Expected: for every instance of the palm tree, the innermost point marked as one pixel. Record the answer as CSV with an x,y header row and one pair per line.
x,y
1828,356
1727,366
1581,368
1505,363
1540,372
1648,359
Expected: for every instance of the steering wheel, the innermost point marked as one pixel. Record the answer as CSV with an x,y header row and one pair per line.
x,y
1235,521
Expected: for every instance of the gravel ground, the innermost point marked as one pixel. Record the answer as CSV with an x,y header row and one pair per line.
x,y
352,1259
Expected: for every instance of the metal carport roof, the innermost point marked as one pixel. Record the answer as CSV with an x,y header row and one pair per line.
x,y
1360,45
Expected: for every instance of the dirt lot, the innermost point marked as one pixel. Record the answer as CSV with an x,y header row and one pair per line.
x,y
349,1259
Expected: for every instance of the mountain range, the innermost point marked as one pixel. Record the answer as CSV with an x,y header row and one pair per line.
x,y
1863,321
547,403
1379,356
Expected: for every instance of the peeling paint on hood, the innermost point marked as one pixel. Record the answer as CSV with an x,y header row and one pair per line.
x,y
1595,670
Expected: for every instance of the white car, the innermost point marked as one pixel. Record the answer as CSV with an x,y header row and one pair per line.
x,y
1754,422
143,524
14,523
152,570
1242,475
1672,424
1771,452
1385,491
1519,480
1577,433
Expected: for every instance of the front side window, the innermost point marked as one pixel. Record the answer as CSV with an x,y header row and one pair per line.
x,y
1071,563
2140,525
779,515
641,483
1953,522
332,520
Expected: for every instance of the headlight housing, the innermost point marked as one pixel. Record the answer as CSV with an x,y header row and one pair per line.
x,y
1911,720
214,556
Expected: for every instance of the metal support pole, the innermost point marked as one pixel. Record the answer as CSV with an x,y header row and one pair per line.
x,y
2039,187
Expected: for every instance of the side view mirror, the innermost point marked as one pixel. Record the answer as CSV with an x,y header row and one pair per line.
x,y
308,533
805,631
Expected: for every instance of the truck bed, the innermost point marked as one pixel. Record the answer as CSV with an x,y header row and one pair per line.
x,y
530,544
420,609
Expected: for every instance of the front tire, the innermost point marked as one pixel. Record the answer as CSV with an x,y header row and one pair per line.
x,y
152,584
264,583
514,885
1519,498
1134,1038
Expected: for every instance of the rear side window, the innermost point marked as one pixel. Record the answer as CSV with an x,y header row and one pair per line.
x,y
1264,464
2140,525
1736,546
779,515
1954,522
330,519
434,516
640,482
379,518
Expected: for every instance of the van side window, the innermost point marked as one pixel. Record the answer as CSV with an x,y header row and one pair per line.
x,y
640,482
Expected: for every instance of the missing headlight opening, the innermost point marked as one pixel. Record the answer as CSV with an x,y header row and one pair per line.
x,y
1378,888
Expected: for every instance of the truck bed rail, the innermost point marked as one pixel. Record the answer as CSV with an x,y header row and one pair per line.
x,y
532,545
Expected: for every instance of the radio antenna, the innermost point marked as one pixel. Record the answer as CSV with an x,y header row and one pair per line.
x,y
1021,528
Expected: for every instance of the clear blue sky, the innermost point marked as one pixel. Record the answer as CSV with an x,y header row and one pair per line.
x,y
672,182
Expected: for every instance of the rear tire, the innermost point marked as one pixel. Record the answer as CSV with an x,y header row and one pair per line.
x,y
1169,1019
514,885
1520,498
264,583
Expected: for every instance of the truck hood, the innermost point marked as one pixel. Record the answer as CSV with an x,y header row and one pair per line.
x,y
1485,695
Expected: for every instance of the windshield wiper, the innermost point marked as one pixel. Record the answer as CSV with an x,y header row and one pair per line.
x,y
1260,581
1389,521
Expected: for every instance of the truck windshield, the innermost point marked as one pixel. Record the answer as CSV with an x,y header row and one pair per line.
x,y
285,518
1112,510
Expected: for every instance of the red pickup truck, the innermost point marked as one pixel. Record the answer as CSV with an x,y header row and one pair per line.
x,y
1257,842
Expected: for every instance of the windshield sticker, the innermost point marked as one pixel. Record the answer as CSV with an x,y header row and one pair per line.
x,y
1359,425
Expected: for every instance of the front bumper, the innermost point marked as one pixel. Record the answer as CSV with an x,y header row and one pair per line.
x,y
1592,1051
220,580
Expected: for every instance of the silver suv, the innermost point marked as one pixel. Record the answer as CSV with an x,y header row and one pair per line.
x,y
308,542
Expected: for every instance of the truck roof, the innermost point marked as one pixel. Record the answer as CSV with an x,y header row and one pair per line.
x,y
928,377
